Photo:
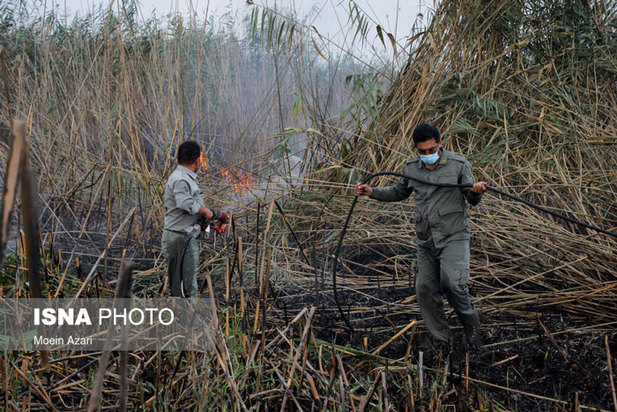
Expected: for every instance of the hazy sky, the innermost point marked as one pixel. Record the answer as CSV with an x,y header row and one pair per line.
x,y
328,16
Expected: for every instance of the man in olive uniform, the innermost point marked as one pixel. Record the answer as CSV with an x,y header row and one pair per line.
x,y
184,205
442,227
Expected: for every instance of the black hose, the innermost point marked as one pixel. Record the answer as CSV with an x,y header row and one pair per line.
x,y
450,185
186,246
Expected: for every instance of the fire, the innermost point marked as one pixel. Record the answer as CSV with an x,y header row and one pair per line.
x,y
240,182
203,159
243,183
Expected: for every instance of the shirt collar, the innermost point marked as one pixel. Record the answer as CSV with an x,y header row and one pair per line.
x,y
188,171
444,156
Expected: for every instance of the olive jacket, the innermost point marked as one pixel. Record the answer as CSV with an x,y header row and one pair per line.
x,y
441,213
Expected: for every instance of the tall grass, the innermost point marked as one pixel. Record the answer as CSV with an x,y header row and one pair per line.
x,y
108,99
526,91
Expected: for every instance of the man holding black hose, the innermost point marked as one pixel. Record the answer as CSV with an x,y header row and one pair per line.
x,y
184,205
442,227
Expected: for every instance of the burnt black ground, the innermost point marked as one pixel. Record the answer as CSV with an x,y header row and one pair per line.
x,y
557,368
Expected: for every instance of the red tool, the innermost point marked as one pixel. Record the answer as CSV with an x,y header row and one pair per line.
x,y
219,223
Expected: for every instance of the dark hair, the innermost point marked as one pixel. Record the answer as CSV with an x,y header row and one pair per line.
x,y
188,152
425,132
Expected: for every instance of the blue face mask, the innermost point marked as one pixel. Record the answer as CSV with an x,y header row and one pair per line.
x,y
430,159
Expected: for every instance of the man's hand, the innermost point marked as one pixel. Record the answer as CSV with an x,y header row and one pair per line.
x,y
363,190
479,188
206,213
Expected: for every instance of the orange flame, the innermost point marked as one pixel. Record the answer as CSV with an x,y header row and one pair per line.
x,y
203,159
243,183
240,182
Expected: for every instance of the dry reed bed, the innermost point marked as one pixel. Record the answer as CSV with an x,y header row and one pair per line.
x,y
534,115
526,92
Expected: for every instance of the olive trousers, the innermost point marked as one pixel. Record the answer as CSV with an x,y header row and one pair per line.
x,y
442,272
182,264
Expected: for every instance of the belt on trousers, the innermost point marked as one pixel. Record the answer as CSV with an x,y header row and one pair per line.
x,y
176,231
